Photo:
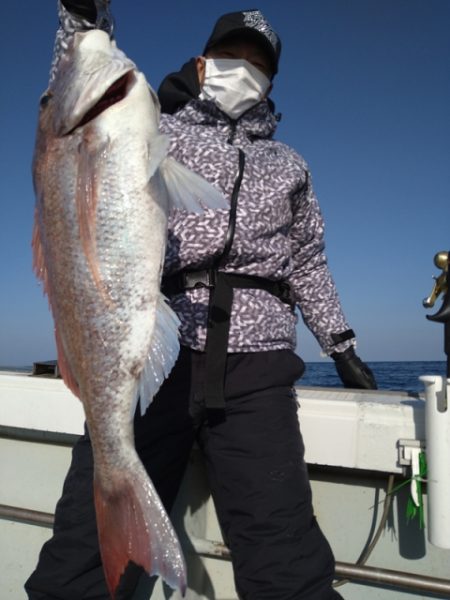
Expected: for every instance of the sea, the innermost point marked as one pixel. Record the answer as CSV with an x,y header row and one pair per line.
x,y
396,376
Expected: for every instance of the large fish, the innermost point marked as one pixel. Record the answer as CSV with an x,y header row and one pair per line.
x,y
104,187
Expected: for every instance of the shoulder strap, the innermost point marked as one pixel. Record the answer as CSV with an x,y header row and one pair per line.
x,y
233,210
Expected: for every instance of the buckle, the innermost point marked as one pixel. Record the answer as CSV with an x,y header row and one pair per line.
x,y
286,293
199,279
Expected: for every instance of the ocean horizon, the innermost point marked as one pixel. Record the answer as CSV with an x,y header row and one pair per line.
x,y
390,375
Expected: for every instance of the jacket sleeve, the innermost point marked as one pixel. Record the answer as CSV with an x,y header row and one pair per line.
x,y
76,15
311,280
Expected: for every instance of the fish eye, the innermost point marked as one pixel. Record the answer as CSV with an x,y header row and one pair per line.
x,y
45,99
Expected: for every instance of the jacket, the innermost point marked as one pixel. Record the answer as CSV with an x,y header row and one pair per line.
x,y
279,230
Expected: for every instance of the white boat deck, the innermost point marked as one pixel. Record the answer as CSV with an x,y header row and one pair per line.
x,y
352,443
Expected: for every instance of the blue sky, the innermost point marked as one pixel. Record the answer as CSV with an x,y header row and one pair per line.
x,y
364,90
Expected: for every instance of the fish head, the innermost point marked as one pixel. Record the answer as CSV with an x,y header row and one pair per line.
x,y
91,75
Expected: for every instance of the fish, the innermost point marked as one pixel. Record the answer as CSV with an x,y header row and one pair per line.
x,y
104,187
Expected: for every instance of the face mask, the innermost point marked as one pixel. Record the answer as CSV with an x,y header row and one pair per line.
x,y
234,85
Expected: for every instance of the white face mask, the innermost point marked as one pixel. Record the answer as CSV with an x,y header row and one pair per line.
x,y
234,85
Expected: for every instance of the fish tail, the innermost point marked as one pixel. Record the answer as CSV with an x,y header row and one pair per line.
x,y
133,526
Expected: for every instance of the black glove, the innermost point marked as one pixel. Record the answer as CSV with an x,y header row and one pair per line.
x,y
81,8
352,371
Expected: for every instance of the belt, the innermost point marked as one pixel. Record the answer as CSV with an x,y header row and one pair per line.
x,y
221,286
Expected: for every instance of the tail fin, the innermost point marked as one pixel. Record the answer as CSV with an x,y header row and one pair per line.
x,y
133,526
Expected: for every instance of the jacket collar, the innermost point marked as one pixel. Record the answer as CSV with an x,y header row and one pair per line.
x,y
257,122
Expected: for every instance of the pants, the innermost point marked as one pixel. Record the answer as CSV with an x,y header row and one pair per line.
x,y
258,479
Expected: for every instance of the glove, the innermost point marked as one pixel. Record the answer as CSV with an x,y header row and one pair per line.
x,y
81,8
352,371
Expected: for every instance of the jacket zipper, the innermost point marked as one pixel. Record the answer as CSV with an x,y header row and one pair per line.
x,y
233,127
233,210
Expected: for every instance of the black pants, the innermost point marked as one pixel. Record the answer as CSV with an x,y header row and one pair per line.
x,y
258,479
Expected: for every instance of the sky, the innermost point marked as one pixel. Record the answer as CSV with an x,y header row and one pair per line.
x,y
364,92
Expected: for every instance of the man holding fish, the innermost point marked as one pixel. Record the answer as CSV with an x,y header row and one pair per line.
x,y
202,203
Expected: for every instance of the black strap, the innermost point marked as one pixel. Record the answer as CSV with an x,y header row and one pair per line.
x,y
189,280
218,328
233,210
343,336
219,313
220,305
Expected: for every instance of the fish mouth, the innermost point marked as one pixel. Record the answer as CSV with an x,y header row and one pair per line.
x,y
116,92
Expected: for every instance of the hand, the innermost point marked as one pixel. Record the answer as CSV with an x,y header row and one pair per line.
x,y
352,371
81,8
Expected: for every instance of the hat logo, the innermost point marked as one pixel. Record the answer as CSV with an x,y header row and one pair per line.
x,y
255,19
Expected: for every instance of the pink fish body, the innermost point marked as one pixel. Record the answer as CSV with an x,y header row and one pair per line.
x,y
104,188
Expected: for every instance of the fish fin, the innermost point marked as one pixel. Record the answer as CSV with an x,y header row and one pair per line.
x,y
134,526
157,151
163,353
41,272
188,191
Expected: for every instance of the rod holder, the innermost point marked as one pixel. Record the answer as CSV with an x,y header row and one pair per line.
x,y
437,434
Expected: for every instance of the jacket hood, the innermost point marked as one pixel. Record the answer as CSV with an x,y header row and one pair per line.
x,y
179,88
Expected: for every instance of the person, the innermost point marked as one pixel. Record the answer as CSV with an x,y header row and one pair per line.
x,y
233,278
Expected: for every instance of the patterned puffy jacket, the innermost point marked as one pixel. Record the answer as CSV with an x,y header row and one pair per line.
x,y
279,228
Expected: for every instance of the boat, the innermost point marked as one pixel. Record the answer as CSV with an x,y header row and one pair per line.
x,y
363,450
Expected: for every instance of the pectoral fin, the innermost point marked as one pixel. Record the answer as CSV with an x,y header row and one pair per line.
x,y
163,353
188,191
157,152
